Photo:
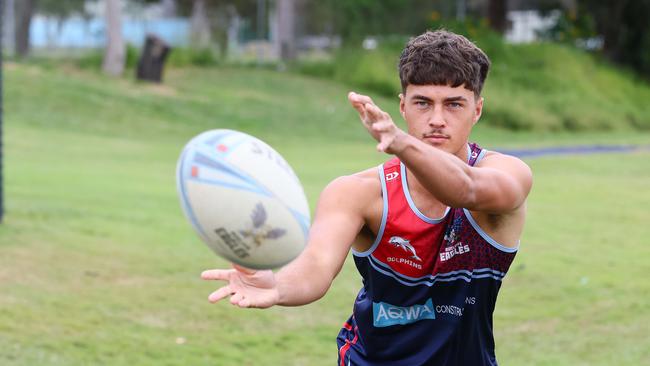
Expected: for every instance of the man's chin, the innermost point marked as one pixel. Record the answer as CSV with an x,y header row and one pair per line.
x,y
439,143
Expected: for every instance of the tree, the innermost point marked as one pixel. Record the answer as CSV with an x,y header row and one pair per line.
x,y
200,35
625,29
497,15
354,20
115,54
285,39
24,10
60,10
211,20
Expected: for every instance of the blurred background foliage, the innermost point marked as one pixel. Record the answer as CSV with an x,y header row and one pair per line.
x,y
586,68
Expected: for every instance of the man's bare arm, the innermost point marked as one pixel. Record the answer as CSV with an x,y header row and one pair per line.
x,y
338,220
499,185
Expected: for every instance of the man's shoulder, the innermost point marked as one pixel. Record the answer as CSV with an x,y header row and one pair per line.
x,y
360,187
497,159
365,180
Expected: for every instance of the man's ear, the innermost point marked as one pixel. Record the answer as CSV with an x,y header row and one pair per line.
x,y
401,105
478,110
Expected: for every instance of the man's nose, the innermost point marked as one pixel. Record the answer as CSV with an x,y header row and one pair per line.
x,y
437,119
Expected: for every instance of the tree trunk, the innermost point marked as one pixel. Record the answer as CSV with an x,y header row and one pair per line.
x,y
497,15
611,24
286,42
115,54
169,8
23,12
200,25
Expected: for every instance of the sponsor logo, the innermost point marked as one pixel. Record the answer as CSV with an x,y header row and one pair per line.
x,y
391,176
385,315
406,245
405,261
454,250
452,247
259,230
408,248
449,310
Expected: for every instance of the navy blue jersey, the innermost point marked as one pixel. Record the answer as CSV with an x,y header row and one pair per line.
x,y
429,285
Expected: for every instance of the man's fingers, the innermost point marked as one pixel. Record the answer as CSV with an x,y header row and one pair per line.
x,y
376,113
355,98
383,126
217,274
220,294
383,145
244,303
361,109
236,298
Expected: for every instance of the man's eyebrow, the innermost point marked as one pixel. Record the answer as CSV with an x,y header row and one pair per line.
x,y
421,97
456,99
450,99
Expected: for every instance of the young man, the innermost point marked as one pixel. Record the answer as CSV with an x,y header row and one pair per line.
x,y
433,230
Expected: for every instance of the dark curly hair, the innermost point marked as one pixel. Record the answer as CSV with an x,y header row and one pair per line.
x,y
443,58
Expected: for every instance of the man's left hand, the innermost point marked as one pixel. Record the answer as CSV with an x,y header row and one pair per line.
x,y
378,123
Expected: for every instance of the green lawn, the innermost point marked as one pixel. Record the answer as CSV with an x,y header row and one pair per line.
x,y
99,266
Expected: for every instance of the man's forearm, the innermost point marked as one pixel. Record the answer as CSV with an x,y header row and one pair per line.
x,y
302,282
443,174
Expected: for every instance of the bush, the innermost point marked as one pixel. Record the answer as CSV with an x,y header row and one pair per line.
x,y
192,57
93,59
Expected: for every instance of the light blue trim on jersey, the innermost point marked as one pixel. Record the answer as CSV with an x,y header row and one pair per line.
x,y
384,215
469,153
480,156
485,236
414,208
439,276
464,275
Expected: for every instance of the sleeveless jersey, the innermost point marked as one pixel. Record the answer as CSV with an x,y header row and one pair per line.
x,y
429,285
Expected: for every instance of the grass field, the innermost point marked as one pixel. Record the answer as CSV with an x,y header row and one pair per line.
x,y
98,265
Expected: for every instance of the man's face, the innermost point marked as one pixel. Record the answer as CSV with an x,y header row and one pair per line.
x,y
441,116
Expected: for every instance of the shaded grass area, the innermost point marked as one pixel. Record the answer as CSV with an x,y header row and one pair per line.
x,y
98,265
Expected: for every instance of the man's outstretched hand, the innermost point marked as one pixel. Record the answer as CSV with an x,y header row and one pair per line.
x,y
378,123
247,288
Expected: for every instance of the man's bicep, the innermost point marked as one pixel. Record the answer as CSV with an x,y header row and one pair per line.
x,y
337,223
502,184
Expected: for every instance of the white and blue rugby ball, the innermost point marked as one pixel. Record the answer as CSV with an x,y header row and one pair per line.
x,y
243,199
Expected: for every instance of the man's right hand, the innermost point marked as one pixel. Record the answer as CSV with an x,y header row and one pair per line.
x,y
247,288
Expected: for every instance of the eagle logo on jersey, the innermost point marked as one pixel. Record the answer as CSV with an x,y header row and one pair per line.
x,y
452,247
259,230
404,244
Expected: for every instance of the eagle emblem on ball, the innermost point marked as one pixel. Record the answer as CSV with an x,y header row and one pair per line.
x,y
258,230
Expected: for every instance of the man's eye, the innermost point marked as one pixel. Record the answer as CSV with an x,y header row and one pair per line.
x,y
454,105
421,104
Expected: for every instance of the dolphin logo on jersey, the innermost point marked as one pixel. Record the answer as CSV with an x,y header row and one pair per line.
x,y
259,230
404,244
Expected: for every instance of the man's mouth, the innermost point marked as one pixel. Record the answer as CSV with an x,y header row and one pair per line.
x,y
436,137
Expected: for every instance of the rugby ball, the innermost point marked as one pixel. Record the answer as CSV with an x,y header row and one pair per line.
x,y
243,199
